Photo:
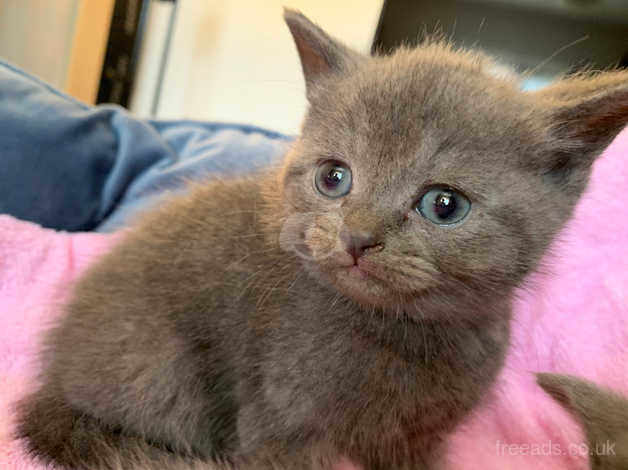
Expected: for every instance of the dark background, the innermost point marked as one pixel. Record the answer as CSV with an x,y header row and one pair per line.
x,y
522,33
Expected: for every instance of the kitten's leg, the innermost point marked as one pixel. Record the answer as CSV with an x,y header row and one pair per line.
x,y
54,432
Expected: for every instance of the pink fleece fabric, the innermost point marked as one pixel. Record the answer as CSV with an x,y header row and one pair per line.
x,y
571,319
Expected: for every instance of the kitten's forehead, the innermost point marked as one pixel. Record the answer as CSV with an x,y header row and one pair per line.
x,y
429,86
421,110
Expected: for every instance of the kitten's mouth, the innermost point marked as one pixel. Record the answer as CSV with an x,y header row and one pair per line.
x,y
365,280
363,270
356,269
357,272
361,280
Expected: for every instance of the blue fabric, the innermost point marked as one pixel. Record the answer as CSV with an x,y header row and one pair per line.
x,y
74,167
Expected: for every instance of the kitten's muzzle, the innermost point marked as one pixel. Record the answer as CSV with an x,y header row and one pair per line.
x,y
360,242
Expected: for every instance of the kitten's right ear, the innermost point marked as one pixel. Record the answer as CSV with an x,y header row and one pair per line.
x,y
320,54
584,115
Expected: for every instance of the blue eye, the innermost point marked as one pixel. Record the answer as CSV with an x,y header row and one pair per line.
x,y
333,179
443,206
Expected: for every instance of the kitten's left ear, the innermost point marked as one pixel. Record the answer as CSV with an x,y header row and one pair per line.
x,y
320,54
582,86
583,125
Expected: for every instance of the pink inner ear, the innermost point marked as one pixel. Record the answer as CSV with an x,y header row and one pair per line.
x,y
614,116
601,119
314,63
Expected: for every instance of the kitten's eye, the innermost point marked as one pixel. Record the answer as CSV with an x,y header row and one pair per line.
x,y
333,179
443,206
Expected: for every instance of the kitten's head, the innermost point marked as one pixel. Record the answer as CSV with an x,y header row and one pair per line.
x,y
438,179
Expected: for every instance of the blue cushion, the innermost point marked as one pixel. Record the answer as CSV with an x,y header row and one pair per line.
x,y
69,166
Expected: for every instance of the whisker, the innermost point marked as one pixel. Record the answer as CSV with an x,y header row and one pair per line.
x,y
554,54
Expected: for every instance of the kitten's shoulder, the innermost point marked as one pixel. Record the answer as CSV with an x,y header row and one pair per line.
x,y
214,205
181,247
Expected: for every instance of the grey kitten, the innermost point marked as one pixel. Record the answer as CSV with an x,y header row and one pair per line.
x,y
353,302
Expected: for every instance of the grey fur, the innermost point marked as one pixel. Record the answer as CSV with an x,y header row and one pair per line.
x,y
198,334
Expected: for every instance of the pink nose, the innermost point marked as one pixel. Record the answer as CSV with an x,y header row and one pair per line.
x,y
358,242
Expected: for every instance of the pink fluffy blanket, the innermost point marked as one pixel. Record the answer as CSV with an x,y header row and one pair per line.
x,y
572,319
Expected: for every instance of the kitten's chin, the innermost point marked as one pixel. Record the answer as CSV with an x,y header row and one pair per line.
x,y
362,287
366,282
360,283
